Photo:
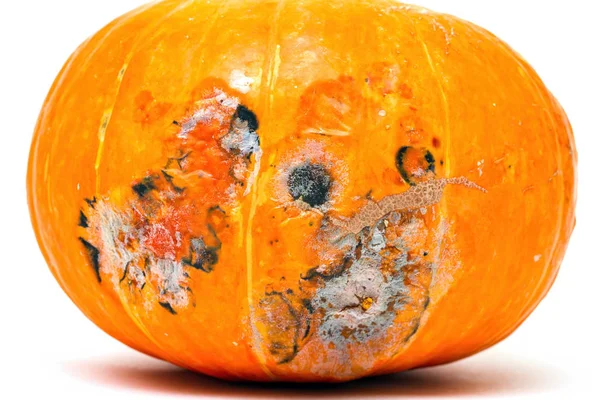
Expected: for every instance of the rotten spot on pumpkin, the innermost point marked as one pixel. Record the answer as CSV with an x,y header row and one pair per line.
x,y
310,183
164,227
83,221
145,186
167,307
138,244
202,256
284,320
242,138
94,257
327,272
415,165
91,202
376,288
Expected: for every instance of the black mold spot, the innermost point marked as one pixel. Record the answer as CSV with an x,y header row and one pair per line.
x,y
125,271
430,161
308,305
83,221
91,202
244,114
287,353
310,183
202,256
216,209
401,154
400,164
145,186
168,307
94,256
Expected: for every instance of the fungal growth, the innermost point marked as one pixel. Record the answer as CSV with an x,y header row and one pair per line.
x,y
310,183
415,165
376,266
379,279
153,235
286,321
94,257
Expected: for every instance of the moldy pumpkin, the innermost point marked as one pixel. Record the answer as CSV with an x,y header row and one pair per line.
x,y
301,191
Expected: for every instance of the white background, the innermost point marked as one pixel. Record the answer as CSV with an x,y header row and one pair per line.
x,y
50,350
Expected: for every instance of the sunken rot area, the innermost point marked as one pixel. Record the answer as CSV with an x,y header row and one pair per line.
x,y
242,191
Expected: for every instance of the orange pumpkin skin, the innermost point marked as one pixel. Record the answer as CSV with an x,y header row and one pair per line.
x,y
301,191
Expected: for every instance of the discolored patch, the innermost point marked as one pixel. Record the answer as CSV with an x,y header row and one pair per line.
x,y
285,320
152,236
242,139
415,165
363,302
310,183
145,186
83,221
94,257
203,256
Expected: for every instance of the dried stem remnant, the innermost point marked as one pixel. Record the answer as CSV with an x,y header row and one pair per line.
x,y
422,195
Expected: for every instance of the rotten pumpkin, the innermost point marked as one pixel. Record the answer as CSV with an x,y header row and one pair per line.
x,y
301,191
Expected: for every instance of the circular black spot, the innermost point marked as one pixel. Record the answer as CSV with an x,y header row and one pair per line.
x,y
423,154
310,183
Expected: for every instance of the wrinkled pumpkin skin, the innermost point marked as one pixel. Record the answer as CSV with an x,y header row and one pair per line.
x,y
301,191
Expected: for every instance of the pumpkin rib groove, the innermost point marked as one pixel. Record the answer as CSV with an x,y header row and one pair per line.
x,y
447,163
271,69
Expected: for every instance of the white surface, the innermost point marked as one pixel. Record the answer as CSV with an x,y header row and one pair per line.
x,y
49,350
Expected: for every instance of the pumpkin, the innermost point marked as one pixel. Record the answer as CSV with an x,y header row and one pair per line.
x,y
301,191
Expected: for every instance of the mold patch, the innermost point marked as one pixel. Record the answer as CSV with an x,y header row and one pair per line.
x,y
310,183
415,165
362,303
215,106
136,246
203,257
310,179
94,257
242,138
285,319
155,234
